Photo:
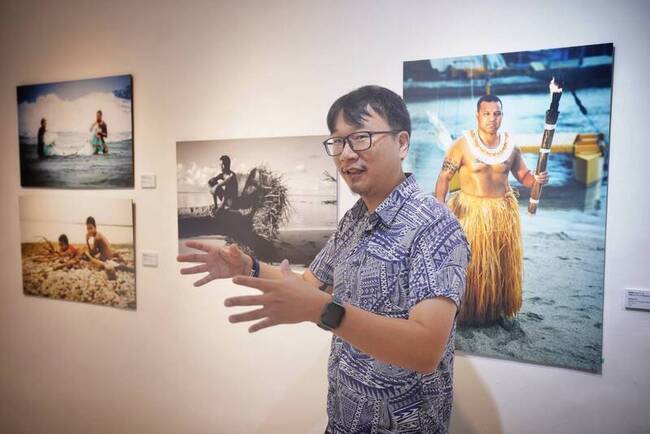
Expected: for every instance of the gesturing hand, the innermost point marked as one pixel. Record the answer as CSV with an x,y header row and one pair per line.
x,y
285,301
218,262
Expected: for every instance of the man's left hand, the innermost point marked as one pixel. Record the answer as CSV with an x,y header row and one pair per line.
x,y
286,301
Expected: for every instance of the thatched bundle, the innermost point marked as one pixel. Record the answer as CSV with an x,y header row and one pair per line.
x,y
271,208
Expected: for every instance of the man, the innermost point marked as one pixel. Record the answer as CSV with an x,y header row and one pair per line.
x,y
98,245
224,187
100,254
488,211
40,147
100,130
391,280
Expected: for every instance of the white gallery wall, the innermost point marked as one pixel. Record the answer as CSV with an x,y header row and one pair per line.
x,y
237,69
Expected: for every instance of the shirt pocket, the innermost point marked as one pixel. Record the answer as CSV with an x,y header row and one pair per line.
x,y
384,281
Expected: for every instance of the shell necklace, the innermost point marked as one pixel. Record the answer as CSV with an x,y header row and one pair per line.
x,y
489,155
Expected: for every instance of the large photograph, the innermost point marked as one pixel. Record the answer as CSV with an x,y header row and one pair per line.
x,y
517,145
77,134
78,249
275,198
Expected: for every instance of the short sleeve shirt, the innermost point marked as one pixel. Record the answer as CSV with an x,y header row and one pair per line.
x,y
411,248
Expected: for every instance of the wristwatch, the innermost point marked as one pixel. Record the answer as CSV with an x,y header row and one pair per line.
x,y
332,315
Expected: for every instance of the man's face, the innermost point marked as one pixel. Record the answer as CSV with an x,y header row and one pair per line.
x,y
489,117
223,166
99,116
91,230
368,172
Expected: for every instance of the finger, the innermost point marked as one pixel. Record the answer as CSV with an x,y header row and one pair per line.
x,y
263,285
285,269
245,300
251,315
198,245
267,322
192,257
196,269
234,250
206,279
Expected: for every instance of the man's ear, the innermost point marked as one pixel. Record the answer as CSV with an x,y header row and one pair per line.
x,y
403,139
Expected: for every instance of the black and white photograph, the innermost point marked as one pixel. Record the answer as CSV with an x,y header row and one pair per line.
x,y
276,198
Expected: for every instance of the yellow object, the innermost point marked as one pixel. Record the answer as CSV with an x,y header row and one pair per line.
x,y
560,148
587,168
454,184
495,272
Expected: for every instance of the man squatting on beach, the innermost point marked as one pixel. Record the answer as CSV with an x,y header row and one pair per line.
x,y
100,252
387,284
489,214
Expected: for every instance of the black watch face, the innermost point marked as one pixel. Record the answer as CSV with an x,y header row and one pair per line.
x,y
332,315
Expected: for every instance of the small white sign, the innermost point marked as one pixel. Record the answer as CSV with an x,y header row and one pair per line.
x,y
150,258
637,299
148,180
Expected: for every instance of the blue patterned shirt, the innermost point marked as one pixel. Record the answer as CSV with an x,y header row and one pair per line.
x,y
411,248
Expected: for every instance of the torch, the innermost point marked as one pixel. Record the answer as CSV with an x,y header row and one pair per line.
x,y
547,140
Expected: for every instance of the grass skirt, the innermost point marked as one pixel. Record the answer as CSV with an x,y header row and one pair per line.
x,y
494,274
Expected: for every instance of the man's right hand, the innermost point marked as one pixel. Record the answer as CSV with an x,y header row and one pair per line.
x,y
218,262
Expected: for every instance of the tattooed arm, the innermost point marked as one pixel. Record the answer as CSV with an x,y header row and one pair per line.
x,y
450,166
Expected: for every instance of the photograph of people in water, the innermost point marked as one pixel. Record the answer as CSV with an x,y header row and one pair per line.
x,y
77,134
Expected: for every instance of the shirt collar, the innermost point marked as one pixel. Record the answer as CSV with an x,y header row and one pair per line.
x,y
388,208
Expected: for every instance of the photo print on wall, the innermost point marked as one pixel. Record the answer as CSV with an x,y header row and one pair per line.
x,y
275,198
77,134
78,250
535,281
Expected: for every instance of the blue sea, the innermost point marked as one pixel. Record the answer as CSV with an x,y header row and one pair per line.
x,y
69,169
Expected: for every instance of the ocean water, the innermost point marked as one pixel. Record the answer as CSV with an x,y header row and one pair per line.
x,y
308,211
69,169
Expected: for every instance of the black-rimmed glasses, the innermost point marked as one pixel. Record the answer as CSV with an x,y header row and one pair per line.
x,y
358,141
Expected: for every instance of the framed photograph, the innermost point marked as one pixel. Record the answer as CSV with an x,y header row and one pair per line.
x,y
275,198
78,250
517,145
77,134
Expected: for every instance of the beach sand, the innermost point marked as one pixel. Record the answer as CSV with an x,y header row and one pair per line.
x,y
299,246
79,283
560,322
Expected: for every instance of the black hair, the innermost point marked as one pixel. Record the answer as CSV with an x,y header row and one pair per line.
x,y
42,121
91,221
384,102
226,161
100,112
487,98
63,238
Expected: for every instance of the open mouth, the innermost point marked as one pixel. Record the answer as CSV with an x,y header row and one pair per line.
x,y
352,171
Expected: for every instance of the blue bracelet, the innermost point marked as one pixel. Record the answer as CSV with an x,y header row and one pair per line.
x,y
255,268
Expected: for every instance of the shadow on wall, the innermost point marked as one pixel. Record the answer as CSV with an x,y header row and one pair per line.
x,y
475,411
